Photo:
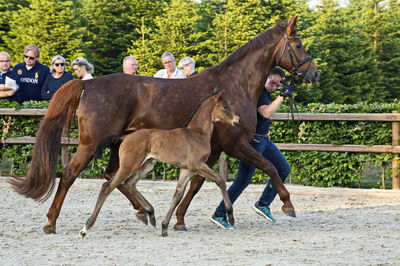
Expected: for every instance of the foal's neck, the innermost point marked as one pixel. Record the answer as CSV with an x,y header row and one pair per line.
x,y
202,120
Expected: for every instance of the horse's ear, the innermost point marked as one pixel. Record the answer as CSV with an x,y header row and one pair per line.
x,y
216,91
291,26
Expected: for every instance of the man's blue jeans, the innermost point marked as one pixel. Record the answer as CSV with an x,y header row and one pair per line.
x,y
268,149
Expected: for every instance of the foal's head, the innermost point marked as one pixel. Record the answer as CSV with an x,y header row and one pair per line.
x,y
222,111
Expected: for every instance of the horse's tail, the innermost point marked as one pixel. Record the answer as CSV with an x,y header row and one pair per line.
x,y
113,139
38,184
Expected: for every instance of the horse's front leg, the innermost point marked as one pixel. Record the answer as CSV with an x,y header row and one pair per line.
x,y
195,185
112,168
245,152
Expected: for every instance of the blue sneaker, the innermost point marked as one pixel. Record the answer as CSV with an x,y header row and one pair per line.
x,y
221,222
264,211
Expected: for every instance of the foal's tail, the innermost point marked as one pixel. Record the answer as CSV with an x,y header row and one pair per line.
x,y
38,184
113,139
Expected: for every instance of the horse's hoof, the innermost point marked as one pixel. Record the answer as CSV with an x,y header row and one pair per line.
x,y
142,217
180,227
153,220
289,212
231,220
49,229
164,234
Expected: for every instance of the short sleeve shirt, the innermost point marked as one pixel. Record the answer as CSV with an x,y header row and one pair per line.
x,y
263,123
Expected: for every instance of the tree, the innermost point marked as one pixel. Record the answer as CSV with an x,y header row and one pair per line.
x,y
175,32
348,72
47,23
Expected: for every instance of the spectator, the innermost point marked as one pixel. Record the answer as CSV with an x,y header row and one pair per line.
x,y
170,71
130,65
57,79
8,91
187,65
31,74
82,68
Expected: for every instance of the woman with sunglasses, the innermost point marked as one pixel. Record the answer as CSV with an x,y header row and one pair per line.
x,y
57,79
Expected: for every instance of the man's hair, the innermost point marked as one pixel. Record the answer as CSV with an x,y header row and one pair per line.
x,y
277,71
34,48
126,58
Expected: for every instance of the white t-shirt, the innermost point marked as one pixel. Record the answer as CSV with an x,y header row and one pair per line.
x,y
163,74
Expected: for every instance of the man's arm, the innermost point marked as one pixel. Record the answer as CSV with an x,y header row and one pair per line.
x,y
268,110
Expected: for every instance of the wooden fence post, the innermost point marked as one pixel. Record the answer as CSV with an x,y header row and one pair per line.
x,y
64,149
395,162
223,167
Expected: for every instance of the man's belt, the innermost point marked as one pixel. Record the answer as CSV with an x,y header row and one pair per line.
x,y
262,135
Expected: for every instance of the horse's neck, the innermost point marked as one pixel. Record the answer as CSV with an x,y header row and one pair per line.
x,y
202,121
251,71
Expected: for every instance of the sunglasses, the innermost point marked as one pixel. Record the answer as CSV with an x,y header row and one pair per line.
x,y
59,64
30,57
168,62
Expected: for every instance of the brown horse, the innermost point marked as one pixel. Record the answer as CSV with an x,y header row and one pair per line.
x,y
188,148
110,104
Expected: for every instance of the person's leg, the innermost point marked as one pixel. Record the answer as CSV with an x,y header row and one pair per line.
x,y
243,178
275,156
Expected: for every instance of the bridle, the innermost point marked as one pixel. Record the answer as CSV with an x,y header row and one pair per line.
x,y
295,68
292,55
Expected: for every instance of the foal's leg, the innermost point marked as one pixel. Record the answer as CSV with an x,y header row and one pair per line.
x,y
206,171
79,161
195,185
130,185
105,191
112,168
184,177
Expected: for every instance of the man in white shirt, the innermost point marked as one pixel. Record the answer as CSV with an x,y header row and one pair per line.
x,y
170,70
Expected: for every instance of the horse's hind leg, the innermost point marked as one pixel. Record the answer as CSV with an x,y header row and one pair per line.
x,y
112,168
184,177
80,160
195,185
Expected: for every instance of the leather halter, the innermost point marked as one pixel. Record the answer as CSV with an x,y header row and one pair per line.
x,y
292,55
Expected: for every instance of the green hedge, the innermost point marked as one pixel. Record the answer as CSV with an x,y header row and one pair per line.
x,y
308,168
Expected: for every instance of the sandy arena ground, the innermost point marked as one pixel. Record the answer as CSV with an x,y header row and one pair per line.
x,y
334,226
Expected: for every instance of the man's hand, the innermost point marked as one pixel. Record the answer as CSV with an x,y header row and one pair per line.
x,y
286,91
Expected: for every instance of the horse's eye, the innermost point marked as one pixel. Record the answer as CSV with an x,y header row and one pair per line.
x,y
226,107
298,45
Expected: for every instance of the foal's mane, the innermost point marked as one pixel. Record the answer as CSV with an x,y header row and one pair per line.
x,y
254,44
198,106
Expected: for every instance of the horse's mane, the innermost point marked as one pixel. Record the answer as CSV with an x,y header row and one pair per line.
x,y
254,44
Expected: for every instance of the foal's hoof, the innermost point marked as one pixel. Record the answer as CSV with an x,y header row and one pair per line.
x,y
83,232
153,220
142,217
49,229
289,212
180,227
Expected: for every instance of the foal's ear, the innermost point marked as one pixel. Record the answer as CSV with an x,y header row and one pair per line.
x,y
290,28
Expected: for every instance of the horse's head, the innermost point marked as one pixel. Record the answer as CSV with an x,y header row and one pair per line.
x,y
222,111
292,56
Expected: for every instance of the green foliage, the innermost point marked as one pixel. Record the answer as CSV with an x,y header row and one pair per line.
x,y
50,24
308,168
